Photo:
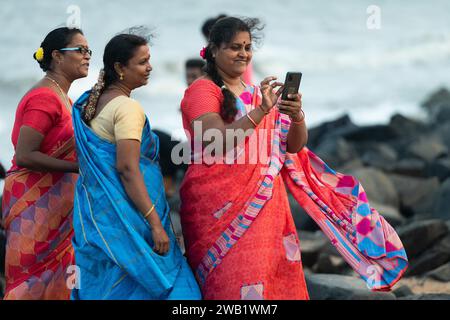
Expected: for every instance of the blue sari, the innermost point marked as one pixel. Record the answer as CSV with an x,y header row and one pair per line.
x,y
113,241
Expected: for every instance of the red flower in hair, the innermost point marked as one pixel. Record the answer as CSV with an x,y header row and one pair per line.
x,y
203,53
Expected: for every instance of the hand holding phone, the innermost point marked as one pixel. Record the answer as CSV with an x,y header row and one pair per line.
x,y
291,84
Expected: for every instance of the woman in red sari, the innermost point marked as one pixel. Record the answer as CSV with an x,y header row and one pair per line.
x,y
212,196
38,194
240,236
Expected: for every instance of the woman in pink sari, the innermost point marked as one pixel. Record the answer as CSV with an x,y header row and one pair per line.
x,y
240,237
39,187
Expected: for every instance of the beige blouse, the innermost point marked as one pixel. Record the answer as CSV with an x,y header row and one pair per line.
x,y
121,118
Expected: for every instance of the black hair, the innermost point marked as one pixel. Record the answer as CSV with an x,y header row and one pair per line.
x,y
223,31
55,40
121,48
195,63
2,172
207,25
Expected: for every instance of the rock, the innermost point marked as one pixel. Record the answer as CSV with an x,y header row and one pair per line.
x,y
335,127
439,168
338,287
311,244
335,152
329,264
428,149
438,105
374,133
2,286
444,133
381,156
420,235
417,195
391,214
441,274
350,166
431,258
441,208
431,296
378,186
410,166
403,291
404,126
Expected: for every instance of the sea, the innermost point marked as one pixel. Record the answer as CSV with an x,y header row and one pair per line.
x,y
369,59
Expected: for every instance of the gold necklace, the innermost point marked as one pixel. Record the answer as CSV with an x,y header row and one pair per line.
x,y
66,98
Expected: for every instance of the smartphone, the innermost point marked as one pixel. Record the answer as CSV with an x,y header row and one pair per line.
x,y
291,84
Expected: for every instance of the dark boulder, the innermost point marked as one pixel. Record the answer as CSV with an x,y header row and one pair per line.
x,y
441,208
418,236
431,258
417,195
339,287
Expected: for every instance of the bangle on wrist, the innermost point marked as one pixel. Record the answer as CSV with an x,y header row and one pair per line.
x,y
149,212
251,120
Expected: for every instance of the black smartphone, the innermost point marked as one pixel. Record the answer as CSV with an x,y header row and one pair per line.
x,y
291,84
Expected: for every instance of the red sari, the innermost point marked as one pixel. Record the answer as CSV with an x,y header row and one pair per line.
x,y
265,262
240,236
37,206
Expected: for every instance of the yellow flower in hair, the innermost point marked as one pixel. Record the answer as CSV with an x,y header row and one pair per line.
x,y
39,54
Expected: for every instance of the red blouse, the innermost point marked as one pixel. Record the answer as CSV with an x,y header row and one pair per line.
x,y
43,110
202,96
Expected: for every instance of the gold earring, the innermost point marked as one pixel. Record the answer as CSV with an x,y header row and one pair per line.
x,y
121,76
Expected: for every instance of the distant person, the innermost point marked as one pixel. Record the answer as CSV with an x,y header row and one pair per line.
x,y
194,70
247,76
124,243
38,193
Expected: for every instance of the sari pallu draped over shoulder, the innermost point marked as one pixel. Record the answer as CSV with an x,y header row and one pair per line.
x,y
37,217
239,232
113,241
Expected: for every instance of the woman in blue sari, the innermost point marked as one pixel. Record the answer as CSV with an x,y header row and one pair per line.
x,y
124,245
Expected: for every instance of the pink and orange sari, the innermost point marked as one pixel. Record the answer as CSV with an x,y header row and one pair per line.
x,y
37,211
240,236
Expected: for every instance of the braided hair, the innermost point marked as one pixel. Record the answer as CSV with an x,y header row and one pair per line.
x,y
223,31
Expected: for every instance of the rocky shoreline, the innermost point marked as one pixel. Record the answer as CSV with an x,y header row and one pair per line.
x,y
404,167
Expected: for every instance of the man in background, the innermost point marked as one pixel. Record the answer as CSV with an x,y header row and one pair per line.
x,y
194,70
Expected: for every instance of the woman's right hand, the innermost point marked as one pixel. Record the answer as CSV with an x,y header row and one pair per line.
x,y
160,240
269,95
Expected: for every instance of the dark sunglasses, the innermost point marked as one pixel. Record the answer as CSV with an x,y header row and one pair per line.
x,y
81,50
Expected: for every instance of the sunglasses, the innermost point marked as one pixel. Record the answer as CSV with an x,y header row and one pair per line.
x,y
81,50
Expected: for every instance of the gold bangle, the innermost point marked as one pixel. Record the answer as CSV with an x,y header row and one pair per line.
x,y
251,120
149,211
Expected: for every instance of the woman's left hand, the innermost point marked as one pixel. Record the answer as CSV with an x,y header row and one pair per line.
x,y
292,107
